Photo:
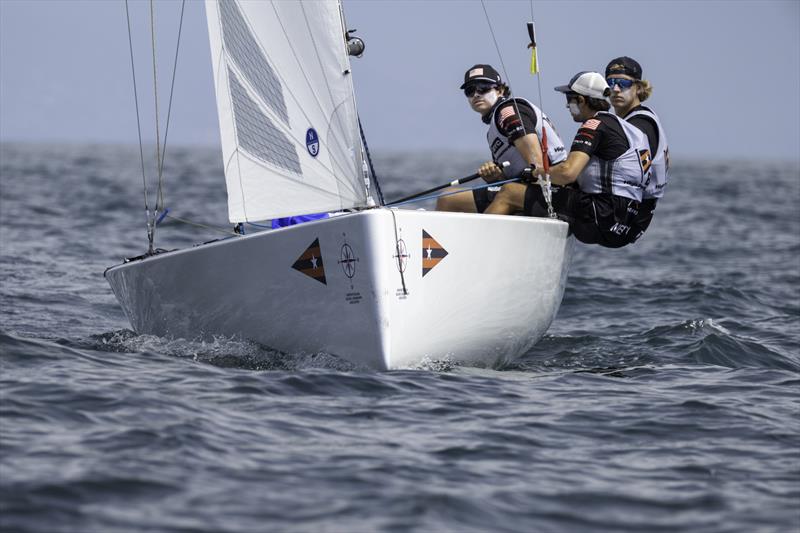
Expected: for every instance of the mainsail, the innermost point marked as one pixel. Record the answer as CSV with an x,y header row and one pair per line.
x,y
288,122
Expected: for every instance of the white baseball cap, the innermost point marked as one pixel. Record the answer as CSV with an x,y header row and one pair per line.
x,y
591,84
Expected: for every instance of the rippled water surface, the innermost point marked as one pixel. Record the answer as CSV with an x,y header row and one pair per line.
x,y
665,397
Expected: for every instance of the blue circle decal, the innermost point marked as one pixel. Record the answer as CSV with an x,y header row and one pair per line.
x,y
312,142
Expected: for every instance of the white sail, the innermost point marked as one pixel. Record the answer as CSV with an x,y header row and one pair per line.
x,y
288,122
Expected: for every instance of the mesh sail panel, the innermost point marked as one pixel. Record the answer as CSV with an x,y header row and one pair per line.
x,y
247,55
256,132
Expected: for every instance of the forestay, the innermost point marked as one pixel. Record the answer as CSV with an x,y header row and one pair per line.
x,y
288,122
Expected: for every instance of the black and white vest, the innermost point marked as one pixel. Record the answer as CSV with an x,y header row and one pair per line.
x,y
503,150
624,176
659,169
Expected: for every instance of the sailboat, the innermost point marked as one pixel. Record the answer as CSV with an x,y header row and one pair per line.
x,y
382,287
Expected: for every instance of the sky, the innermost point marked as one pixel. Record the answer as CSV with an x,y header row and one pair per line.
x,y
726,73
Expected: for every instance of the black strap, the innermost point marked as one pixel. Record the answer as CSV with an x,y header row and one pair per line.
x,y
606,171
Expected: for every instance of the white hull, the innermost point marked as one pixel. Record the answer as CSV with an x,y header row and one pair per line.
x,y
487,301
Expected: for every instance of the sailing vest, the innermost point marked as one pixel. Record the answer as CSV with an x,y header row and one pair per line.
x,y
659,170
504,150
624,176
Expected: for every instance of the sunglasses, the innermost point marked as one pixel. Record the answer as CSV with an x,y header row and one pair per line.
x,y
477,89
622,82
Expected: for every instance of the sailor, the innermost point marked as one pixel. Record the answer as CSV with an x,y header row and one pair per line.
x,y
608,161
515,129
628,91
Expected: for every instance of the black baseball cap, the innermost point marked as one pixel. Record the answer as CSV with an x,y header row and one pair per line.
x,y
624,65
481,73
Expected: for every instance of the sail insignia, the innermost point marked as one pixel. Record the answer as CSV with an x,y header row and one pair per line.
x,y
312,142
288,121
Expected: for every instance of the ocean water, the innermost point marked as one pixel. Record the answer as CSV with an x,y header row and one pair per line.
x,y
665,397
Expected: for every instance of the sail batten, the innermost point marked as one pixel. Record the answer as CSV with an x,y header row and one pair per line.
x,y
288,123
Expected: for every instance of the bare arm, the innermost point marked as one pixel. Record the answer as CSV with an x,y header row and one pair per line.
x,y
568,171
528,145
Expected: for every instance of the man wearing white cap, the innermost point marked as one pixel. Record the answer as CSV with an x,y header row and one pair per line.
x,y
609,159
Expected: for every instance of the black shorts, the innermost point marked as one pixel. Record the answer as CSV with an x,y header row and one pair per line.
x,y
645,216
483,197
604,219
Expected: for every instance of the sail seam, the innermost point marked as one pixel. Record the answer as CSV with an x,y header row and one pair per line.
x,y
258,96
305,76
284,129
258,134
267,147
255,159
322,68
224,77
287,131
248,54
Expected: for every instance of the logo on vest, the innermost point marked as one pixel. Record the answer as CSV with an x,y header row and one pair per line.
x,y
497,144
645,160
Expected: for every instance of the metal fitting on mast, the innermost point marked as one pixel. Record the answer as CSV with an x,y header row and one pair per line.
x,y
355,45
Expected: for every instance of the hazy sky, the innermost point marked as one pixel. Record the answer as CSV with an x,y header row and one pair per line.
x,y
726,73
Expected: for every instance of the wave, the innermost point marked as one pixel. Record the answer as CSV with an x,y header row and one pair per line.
x,y
702,342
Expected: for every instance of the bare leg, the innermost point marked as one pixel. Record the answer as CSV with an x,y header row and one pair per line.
x,y
510,200
462,202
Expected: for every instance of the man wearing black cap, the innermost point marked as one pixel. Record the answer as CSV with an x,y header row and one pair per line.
x,y
515,129
628,91
608,161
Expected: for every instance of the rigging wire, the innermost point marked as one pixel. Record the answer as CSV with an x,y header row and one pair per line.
x,y
160,147
160,202
335,159
372,178
322,69
200,225
369,162
287,131
155,97
545,184
502,64
538,77
148,219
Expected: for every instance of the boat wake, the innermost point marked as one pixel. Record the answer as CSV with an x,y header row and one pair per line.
x,y
226,352
220,351
440,365
691,342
